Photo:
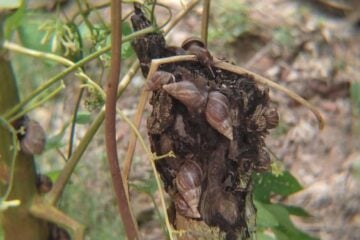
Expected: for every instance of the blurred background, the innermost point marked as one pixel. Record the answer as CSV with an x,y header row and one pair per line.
x,y
310,47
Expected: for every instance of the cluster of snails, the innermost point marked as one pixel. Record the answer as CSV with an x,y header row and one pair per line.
x,y
196,98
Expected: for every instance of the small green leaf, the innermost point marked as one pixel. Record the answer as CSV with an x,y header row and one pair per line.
x,y
126,28
267,184
285,225
264,217
126,50
53,175
356,169
264,236
30,34
280,235
83,117
297,211
14,21
148,187
355,95
55,141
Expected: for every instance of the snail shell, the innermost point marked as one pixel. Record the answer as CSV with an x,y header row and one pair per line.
x,y
198,48
43,183
188,183
34,140
158,79
272,118
188,94
217,114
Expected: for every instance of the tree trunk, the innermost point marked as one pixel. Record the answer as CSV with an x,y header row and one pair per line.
x,y
17,222
215,122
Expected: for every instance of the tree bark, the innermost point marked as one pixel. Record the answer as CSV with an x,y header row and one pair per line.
x,y
17,222
210,179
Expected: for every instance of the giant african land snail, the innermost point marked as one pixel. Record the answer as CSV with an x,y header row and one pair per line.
x,y
215,104
188,183
33,142
197,47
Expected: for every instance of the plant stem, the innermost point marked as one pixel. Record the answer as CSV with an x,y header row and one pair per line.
x,y
73,66
205,21
54,195
110,123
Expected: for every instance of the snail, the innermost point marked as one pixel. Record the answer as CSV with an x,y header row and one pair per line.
x,y
188,183
197,47
43,183
264,160
158,79
272,118
217,114
215,104
34,140
188,94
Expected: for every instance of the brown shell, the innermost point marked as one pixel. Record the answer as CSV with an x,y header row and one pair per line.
x,y
192,41
43,183
188,94
188,183
272,118
158,79
34,140
217,114
184,209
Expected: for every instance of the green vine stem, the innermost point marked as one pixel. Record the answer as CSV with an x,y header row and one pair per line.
x,y
38,103
53,214
71,68
14,149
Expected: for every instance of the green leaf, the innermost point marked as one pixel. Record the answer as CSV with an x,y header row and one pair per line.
x,y
280,235
267,184
13,21
29,32
285,225
297,211
264,236
148,187
355,94
55,141
126,50
83,117
264,218
53,175
126,28
355,169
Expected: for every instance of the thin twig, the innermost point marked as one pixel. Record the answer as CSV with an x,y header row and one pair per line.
x,y
73,122
205,21
71,68
265,81
110,123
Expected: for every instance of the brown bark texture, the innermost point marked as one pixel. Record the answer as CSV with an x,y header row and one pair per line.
x,y
17,223
210,179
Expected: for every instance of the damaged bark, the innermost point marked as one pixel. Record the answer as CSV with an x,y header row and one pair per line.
x,y
215,122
